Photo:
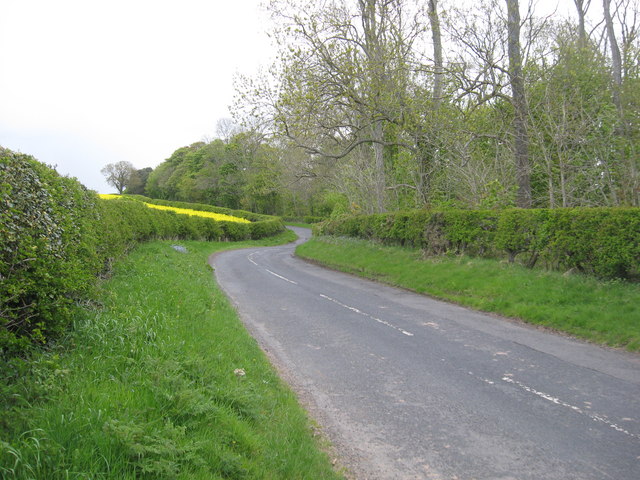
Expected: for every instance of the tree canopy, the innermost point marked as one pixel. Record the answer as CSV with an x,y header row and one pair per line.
x,y
377,105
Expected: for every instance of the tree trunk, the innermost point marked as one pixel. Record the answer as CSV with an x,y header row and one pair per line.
x,y
616,58
521,137
369,9
381,180
582,6
563,186
630,188
434,20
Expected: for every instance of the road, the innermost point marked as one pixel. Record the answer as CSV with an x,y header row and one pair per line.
x,y
408,387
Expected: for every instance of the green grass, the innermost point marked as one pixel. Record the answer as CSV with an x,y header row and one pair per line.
x,y
143,387
606,312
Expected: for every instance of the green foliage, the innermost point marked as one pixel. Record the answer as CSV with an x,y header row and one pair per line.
x,y
261,225
218,173
56,237
604,242
143,387
48,252
138,181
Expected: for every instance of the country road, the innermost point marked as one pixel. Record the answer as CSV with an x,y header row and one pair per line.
x,y
407,387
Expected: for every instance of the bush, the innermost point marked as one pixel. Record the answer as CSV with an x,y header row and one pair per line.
x,y
56,237
261,225
598,241
48,256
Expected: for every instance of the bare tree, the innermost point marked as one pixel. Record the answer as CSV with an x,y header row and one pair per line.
x,y
226,129
344,80
118,174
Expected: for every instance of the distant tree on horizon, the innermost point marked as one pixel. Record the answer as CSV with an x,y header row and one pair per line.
x,y
118,174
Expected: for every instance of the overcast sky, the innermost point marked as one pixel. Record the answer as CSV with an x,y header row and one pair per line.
x,y
84,83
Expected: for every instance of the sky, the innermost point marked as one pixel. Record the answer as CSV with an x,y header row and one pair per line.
x,y
85,83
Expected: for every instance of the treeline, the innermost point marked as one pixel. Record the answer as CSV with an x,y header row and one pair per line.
x,y
56,237
381,105
243,171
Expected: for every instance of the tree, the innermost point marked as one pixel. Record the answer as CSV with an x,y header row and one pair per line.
x,y
514,110
572,126
631,182
138,181
342,89
118,174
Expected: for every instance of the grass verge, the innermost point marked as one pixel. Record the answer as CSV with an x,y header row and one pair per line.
x,y
606,312
160,381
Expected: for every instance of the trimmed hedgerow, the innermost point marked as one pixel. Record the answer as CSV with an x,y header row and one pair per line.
x,y
47,252
56,237
599,241
261,225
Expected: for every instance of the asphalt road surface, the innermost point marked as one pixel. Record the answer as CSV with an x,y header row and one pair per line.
x,y
407,387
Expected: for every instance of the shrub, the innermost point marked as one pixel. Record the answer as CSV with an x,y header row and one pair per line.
x,y
48,255
261,225
598,241
56,237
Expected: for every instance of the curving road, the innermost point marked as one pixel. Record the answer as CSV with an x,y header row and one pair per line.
x,y
408,387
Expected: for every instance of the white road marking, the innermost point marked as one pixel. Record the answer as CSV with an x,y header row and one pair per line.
x,y
280,276
557,401
249,257
353,309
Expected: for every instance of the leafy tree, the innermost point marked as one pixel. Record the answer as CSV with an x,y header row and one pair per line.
x,y
572,122
138,181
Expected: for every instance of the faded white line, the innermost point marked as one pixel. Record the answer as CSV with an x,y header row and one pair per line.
x,y
557,401
280,276
250,258
353,309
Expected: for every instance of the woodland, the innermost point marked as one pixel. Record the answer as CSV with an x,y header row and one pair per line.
x,y
385,105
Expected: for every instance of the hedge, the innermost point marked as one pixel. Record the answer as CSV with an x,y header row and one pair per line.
x,y
261,225
56,237
604,242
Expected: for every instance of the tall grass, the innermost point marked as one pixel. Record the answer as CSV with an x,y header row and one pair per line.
x,y
607,312
160,380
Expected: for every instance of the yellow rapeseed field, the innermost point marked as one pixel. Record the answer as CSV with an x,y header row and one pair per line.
x,y
200,213
185,211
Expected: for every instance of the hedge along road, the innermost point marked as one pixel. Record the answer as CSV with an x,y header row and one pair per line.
x,y
408,387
